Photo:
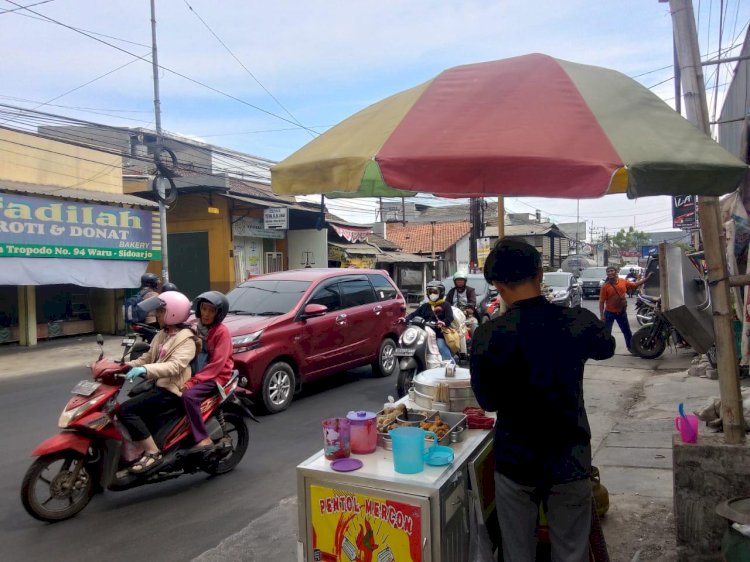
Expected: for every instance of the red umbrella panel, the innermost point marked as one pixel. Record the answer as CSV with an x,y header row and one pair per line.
x,y
527,126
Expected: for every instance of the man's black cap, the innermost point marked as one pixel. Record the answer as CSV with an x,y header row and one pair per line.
x,y
511,261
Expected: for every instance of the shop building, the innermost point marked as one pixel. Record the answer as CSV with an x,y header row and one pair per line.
x,y
70,239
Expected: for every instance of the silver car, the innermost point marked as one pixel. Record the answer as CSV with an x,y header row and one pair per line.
x,y
562,288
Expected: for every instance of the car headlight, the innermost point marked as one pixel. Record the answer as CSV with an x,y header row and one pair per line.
x,y
246,342
409,336
560,294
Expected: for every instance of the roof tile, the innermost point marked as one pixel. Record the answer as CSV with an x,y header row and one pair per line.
x,y
417,238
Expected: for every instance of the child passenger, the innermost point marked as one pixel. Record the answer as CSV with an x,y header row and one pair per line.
x,y
211,308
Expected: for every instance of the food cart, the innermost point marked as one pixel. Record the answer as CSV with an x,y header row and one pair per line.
x,y
377,514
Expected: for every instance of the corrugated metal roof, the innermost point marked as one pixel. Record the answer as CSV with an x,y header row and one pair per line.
x,y
536,229
360,249
75,194
267,203
400,257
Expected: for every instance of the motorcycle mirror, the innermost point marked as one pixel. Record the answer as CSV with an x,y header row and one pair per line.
x,y
100,342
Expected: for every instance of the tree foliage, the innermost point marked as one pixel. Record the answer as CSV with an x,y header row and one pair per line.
x,y
630,239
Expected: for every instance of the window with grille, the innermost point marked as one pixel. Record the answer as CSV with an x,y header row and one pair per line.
x,y
274,262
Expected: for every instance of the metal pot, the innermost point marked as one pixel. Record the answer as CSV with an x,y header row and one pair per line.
x,y
460,393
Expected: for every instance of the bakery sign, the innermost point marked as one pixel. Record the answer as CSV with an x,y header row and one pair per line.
x,y
35,227
276,218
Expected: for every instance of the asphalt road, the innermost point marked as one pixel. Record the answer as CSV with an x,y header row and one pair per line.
x,y
174,520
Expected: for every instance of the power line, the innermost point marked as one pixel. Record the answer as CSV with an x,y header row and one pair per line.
x,y
281,105
24,7
183,76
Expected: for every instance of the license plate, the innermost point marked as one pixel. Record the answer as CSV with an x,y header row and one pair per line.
x,y
85,388
404,351
127,342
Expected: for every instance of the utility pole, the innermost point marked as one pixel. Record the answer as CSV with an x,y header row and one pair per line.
x,y
686,40
578,213
157,120
473,233
434,265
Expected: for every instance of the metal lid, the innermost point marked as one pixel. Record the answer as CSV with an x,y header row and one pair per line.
x,y
433,377
361,415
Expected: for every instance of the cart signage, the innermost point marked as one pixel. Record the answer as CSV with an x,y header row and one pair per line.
x,y
349,527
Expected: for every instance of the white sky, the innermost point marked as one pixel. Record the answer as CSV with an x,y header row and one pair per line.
x,y
325,60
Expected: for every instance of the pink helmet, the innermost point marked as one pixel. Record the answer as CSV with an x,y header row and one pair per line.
x,y
176,304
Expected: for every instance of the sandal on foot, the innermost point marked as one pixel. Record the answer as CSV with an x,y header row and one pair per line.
x,y
146,462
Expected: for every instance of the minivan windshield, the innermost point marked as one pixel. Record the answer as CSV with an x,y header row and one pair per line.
x,y
266,297
556,279
594,273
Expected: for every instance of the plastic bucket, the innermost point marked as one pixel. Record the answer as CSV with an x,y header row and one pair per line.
x,y
688,427
409,449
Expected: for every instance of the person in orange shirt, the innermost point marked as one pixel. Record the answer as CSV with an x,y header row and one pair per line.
x,y
613,302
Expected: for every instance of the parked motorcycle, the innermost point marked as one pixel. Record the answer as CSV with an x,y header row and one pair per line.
x,y
418,351
93,452
137,348
644,308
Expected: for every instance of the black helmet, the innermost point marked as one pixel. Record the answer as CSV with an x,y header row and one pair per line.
x,y
168,287
436,285
215,298
149,280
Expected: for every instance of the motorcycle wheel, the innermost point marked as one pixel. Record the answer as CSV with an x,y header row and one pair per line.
x,y
404,381
48,494
239,434
639,344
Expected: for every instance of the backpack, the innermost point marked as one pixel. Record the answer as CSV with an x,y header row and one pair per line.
x,y
132,313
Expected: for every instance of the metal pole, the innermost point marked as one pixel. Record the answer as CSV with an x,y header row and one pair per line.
x,y
500,217
578,217
157,121
434,265
686,39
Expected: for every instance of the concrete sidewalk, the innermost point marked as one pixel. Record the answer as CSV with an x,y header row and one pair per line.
x,y
59,353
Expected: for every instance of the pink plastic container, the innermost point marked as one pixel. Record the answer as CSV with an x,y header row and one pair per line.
x,y
336,438
688,427
364,432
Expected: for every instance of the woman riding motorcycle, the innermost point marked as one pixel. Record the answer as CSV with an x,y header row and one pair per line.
x,y
211,308
436,309
168,361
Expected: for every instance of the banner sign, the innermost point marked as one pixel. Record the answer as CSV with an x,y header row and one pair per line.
x,y
351,526
276,218
648,251
253,228
483,250
684,212
35,227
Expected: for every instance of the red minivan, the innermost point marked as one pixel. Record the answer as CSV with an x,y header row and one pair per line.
x,y
295,326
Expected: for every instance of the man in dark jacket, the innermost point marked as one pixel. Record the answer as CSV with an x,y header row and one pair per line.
x,y
461,295
528,366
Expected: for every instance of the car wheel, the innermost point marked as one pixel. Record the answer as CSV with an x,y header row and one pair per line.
x,y
386,364
277,388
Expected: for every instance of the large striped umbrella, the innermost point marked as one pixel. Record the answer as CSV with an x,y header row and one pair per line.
x,y
526,126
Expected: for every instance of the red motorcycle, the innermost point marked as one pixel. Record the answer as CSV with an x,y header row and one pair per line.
x,y
92,453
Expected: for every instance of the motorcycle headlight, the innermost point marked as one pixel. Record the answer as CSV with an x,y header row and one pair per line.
x,y
409,336
69,416
246,342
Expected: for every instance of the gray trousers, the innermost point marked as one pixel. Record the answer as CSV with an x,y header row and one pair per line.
x,y
568,517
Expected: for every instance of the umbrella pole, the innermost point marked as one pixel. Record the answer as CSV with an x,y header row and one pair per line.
x,y
685,36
